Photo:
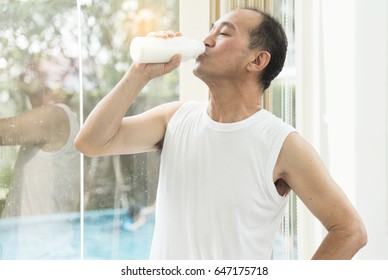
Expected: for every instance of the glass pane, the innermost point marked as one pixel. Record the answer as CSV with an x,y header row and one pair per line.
x,y
283,105
39,166
120,190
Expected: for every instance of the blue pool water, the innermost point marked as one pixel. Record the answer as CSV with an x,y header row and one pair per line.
x,y
105,237
59,237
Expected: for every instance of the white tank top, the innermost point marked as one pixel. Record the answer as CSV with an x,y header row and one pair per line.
x,y
46,182
216,196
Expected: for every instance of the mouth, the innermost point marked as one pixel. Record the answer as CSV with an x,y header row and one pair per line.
x,y
201,56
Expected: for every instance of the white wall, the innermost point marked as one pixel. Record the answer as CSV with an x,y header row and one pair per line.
x,y
371,122
342,89
194,23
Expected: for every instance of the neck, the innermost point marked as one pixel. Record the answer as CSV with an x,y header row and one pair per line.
x,y
234,102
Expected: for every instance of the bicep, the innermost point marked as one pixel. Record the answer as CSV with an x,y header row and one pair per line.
x,y
34,127
308,177
141,133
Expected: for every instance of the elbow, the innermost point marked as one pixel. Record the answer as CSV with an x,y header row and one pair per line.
x,y
352,237
81,146
362,235
85,147
359,235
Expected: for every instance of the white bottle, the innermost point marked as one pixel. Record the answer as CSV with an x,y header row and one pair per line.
x,y
160,50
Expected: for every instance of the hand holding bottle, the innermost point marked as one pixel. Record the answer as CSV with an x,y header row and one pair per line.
x,y
153,70
160,47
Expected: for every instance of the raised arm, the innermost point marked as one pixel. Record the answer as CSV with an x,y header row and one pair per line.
x,y
46,127
107,132
301,167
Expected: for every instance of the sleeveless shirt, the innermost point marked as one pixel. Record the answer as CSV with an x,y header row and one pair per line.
x,y
46,182
216,197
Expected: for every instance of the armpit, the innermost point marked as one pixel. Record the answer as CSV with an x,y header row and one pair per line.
x,y
282,187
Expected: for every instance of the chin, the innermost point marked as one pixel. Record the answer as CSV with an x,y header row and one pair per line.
x,y
197,69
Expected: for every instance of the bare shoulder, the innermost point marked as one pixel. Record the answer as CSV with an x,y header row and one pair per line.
x,y
300,165
158,116
170,109
141,133
296,153
163,112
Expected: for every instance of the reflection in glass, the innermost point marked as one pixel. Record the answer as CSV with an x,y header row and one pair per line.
x,y
39,166
283,105
39,65
120,190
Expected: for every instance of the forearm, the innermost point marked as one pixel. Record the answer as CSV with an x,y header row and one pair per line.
x,y
33,127
341,244
105,120
5,138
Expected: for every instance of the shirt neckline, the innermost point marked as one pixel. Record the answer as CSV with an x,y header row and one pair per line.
x,y
228,127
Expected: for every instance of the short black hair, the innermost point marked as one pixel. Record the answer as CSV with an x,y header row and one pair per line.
x,y
269,36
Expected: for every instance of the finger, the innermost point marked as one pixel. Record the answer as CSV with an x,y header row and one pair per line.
x,y
158,34
162,34
170,33
151,34
174,62
176,59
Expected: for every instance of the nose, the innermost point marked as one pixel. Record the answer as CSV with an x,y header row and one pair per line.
x,y
209,40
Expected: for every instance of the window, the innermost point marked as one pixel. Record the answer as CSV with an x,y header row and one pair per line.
x,y
40,58
120,191
73,53
281,101
39,167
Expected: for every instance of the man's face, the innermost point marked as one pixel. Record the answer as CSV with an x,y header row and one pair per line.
x,y
227,53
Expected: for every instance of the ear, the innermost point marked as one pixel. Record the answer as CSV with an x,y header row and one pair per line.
x,y
261,61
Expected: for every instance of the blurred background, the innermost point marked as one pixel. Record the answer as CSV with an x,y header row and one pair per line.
x,y
333,90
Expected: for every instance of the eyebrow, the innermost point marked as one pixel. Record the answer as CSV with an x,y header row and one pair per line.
x,y
225,23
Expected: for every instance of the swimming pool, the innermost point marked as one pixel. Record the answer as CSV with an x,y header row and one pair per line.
x,y
106,238
59,237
